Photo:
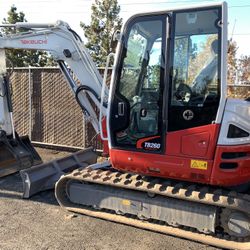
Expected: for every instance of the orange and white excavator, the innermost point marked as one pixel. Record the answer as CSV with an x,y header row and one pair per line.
x,y
179,149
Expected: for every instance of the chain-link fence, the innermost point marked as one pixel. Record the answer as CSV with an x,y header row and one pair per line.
x,y
46,110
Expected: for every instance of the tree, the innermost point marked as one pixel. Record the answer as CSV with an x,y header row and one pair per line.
x,y
232,62
22,58
244,69
104,21
200,56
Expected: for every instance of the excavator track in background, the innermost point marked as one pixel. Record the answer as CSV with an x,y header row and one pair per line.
x,y
222,217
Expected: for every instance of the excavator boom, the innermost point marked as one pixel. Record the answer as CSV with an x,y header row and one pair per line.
x,y
66,47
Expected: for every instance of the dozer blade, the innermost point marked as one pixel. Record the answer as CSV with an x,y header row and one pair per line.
x,y
44,176
16,155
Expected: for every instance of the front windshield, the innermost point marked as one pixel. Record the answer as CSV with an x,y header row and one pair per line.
x,y
139,82
143,59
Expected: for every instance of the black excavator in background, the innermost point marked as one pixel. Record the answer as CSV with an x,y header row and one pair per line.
x,y
16,153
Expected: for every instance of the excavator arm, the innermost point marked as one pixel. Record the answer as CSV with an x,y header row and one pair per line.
x,y
66,47
80,72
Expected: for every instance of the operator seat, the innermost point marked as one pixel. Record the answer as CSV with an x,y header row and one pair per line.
x,y
208,73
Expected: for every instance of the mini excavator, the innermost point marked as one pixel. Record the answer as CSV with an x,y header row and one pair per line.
x,y
179,149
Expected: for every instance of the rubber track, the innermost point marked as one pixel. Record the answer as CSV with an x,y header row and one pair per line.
x,y
184,191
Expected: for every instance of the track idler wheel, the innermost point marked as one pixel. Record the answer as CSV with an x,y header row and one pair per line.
x,y
235,223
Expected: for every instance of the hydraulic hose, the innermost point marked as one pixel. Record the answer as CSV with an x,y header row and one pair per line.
x,y
89,89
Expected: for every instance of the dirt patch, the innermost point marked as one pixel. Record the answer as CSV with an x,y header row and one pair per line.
x,y
39,223
48,155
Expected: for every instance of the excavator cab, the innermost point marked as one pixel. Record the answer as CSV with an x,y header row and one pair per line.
x,y
168,92
167,77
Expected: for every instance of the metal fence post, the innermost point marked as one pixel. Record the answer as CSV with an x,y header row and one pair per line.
x,y
83,132
30,104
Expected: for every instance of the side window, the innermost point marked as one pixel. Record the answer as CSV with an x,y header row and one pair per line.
x,y
195,66
154,66
195,81
136,47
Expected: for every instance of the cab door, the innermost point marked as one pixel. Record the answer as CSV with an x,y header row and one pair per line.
x,y
195,85
136,115
169,90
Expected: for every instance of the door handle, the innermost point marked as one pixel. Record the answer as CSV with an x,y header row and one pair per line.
x,y
121,108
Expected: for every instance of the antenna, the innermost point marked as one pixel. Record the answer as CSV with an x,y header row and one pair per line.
x,y
235,20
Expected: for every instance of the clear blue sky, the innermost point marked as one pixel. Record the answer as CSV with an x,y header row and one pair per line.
x,y
74,11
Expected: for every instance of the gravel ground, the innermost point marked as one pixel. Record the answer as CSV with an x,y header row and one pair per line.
x,y
39,223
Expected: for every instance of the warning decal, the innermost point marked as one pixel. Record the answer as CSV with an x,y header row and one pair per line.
x,y
126,202
199,164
